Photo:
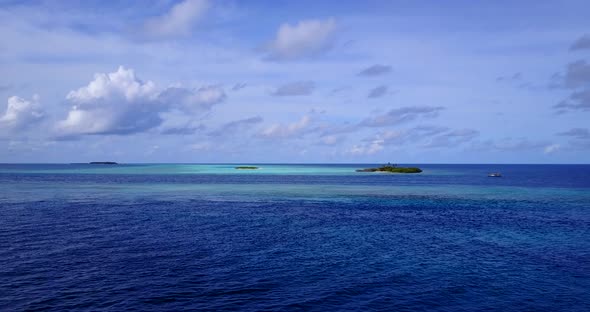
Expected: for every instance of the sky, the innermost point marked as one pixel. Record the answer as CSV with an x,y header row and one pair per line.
x,y
205,81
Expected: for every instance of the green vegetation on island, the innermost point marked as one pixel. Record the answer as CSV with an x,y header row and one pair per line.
x,y
103,163
247,167
392,168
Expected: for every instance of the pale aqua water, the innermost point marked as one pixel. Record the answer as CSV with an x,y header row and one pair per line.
x,y
224,169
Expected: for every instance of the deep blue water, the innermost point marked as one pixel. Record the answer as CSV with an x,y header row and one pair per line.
x,y
294,237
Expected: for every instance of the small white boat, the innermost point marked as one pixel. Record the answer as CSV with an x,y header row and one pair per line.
x,y
495,175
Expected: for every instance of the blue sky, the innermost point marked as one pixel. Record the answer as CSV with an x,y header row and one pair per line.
x,y
295,81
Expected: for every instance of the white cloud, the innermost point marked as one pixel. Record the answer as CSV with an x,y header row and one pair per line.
x,y
179,20
114,103
121,83
286,130
21,113
306,38
121,103
550,149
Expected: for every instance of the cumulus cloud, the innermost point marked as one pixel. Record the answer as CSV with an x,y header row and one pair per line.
x,y
401,115
375,70
295,88
582,43
120,103
21,113
115,103
377,92
304,39
286,130
179,20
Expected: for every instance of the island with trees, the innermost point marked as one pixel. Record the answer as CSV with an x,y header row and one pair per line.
x,y
392,168
246,167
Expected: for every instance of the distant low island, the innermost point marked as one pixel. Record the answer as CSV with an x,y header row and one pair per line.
x,y
392,168
246,167
103,163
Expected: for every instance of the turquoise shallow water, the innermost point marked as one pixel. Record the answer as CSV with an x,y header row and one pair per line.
x,y
294,237
222,169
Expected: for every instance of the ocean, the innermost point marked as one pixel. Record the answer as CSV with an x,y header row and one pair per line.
x,y
285,237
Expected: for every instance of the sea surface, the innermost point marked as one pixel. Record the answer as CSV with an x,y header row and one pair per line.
x,y
166,237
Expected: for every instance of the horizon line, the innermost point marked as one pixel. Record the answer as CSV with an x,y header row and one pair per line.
x,y
277,163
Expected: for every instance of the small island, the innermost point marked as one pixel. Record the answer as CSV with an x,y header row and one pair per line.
x,y
392,168
103,163
246,167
